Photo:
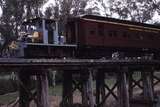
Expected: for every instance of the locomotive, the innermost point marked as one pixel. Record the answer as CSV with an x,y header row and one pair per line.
x,y
90,36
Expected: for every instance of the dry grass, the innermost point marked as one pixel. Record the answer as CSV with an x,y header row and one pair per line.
x,y
55,98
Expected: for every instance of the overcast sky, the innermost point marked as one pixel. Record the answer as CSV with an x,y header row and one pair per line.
x,y
49,2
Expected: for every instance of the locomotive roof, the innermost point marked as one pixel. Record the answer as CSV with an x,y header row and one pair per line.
x,y
118,21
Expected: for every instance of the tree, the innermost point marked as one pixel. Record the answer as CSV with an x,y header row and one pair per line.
x,y
135,10
33,8
10,20
14,13
78,7
49,11
156,5
63,9
104,8
53,10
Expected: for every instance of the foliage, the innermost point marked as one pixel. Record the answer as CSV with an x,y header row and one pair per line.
x,y
139,10
33,8
135,10
14,13
64,9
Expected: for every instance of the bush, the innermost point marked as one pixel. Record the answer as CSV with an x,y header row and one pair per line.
x,y
7,85
59,77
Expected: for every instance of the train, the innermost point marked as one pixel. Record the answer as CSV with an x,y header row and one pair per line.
x,y
91,36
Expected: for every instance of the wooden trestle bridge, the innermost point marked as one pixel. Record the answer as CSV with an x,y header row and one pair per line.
x,y
87,70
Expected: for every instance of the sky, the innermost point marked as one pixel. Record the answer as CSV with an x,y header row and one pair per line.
x,y
0,11
48,3
156,17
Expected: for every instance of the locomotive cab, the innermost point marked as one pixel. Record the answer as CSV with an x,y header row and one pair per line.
x,y
40,30
40,39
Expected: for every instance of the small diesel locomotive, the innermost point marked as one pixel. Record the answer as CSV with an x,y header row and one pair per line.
x,y
91,36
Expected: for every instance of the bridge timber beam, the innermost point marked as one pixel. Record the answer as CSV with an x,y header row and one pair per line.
x,y
24,89
42,90
40,97
75,63
123,92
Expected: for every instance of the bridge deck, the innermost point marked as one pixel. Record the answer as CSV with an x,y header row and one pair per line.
x,y
102,63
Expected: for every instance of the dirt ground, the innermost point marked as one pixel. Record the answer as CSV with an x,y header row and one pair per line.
x,y
55,101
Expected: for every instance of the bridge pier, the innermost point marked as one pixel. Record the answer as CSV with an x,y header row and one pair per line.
x,y
67,97
148,93
40,97
124,87
81,80
42,90
123,92
100,88
90,88
147,86
104,90
145,83
24,88
130,84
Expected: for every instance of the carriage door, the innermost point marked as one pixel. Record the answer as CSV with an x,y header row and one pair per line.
x,y
71,33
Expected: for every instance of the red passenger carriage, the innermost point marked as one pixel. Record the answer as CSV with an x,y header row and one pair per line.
x,y
101,36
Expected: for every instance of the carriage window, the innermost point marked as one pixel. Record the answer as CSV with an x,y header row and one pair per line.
x,y
137,36
126,35
92,32
112,33
141,37
151,37
101,29
115,33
